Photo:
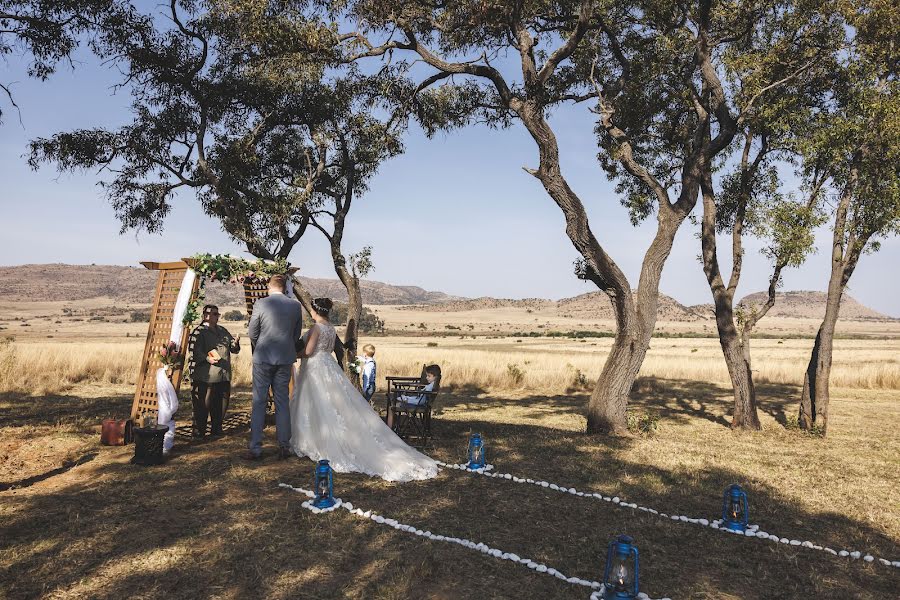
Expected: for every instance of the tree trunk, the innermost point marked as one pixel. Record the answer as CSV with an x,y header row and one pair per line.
x,y
736,358
606,410
635,314
354,314
844,257
738,363
815,396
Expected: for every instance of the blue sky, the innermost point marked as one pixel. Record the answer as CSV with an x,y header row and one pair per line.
x,y
455,213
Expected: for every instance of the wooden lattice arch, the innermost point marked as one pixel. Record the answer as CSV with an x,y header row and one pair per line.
x,y
168,284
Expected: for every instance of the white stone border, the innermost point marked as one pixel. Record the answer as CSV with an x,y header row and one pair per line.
x,y
480,547
752,531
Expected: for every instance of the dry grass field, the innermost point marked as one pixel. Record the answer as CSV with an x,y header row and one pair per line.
x,y
553,366
78,521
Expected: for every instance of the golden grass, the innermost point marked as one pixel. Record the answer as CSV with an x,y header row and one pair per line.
x,y
545,365
210,525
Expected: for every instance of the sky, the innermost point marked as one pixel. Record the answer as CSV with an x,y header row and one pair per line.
x,y
456,213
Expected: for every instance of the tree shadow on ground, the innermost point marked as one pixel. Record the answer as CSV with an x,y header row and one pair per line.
x,y
207,525
61,409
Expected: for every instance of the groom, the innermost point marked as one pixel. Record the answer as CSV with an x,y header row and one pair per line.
x,y
274,333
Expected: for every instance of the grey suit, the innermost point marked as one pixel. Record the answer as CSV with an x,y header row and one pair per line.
x,y
275,329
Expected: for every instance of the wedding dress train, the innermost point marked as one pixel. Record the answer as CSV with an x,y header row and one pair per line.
x,y
330,419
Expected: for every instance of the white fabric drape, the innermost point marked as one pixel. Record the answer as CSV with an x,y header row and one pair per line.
x,y
181,304
167,404
166,397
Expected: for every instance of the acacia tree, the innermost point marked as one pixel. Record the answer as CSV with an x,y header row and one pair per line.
x,y
362,143
201,123
49,31
267,155
748,200
750,204
857,144
664,115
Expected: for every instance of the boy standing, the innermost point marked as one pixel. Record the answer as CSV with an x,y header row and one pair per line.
x,y
368,372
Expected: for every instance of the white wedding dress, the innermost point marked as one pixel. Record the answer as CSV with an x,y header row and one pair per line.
x,y
330,419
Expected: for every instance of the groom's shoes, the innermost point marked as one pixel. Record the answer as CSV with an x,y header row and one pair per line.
x,y
284,453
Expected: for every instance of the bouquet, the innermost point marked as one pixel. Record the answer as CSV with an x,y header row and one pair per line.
x,y
170,356
357,365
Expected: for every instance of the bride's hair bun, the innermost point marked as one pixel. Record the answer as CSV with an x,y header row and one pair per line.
x,y
322,306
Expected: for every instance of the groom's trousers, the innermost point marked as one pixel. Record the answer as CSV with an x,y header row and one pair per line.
x,y
276,377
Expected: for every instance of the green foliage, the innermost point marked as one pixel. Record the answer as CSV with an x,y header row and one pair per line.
x,y
516,375
233,269
233,315
361,262
792,423
139,316
643,424
579,380
854,144
48,31
243,105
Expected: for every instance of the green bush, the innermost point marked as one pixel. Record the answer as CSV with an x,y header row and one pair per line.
x,y
139,316
515,374
233,315
644,424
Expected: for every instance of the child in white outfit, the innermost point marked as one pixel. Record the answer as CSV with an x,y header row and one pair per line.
x,y
368,372
432,376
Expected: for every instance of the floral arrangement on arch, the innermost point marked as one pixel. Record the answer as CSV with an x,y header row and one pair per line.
x,y
233,269
169,356
228,269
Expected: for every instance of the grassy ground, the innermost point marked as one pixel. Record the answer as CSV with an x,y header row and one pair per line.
x,y
209,525
526,365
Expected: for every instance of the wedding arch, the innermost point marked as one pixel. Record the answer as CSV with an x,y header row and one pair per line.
x,y
176,307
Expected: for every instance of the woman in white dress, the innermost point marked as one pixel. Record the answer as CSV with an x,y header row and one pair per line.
x,y
330,419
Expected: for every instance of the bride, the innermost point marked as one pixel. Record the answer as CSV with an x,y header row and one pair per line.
x,y
330,419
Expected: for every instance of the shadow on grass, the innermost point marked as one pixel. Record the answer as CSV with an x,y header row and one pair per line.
x,y
29,481
207,525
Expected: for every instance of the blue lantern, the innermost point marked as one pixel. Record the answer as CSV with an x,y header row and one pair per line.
x,y
324,485
735,509
476,451
620,578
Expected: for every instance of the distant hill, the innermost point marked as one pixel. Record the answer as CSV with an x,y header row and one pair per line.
x,y
596,305
136,285
811,305
485,302
593,305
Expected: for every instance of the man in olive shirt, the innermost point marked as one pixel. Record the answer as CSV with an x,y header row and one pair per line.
x,y
211,378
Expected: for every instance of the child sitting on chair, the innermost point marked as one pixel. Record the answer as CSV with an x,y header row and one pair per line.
x,y
368,372
432,376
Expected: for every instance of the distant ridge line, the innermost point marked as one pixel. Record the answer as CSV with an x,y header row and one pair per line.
x,y
135,285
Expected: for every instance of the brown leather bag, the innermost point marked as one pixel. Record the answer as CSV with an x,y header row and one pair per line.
x,y
116,433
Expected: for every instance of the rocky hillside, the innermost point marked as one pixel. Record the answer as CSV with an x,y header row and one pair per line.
x,y
593,305
59,282
484,303
811,305
596,305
